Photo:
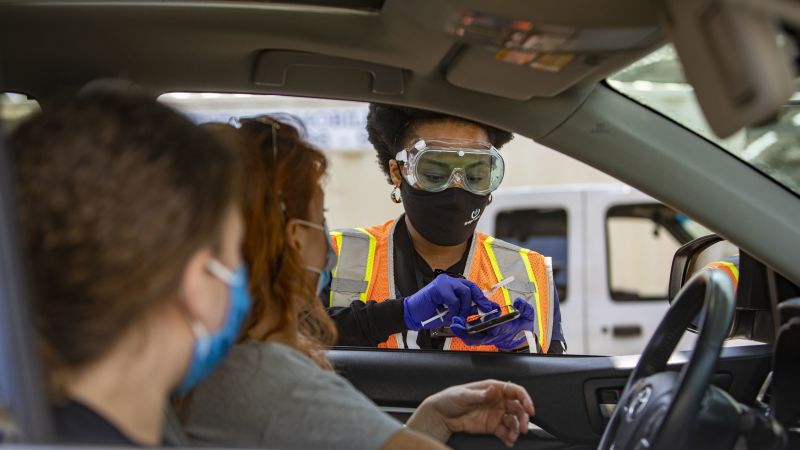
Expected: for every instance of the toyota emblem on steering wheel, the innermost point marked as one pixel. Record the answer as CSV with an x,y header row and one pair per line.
x,y
639,402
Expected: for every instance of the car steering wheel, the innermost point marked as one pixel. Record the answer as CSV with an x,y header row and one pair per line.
x,y
658,407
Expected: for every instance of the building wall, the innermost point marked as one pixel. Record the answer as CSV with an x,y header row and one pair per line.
x,y
357,193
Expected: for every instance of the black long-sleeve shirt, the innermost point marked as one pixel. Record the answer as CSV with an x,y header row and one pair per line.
x,y
368,324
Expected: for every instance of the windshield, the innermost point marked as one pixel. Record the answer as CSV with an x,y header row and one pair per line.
x,y
657,81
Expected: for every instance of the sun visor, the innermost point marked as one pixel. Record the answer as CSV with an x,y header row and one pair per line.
x,y
477,69
522,59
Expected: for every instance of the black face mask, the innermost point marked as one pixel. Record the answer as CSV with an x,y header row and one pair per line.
x,y
444,218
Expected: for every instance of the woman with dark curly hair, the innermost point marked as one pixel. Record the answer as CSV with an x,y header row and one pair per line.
x,y
420,280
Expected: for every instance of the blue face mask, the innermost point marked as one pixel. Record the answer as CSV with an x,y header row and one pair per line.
x,y
325,274
211,348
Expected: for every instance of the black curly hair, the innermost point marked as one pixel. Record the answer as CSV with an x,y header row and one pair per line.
x,y
387,128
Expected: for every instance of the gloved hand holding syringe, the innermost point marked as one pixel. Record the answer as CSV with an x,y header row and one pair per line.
x,y
487,293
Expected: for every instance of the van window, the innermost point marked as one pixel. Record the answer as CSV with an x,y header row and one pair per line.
x,y
541,230
642,240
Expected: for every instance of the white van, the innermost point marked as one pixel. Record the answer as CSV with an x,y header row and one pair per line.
x,y
612,248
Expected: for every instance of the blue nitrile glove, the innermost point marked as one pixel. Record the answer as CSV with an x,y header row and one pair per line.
x,y
507,336
457,294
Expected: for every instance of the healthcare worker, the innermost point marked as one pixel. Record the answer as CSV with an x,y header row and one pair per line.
x,y
392,279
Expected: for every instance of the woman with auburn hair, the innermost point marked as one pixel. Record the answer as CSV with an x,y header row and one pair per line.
x,y
277,389
284,251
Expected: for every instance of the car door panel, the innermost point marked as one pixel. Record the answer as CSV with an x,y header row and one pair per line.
x,y
562,386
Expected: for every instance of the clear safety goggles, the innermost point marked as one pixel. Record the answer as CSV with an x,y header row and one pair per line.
x,y
434,166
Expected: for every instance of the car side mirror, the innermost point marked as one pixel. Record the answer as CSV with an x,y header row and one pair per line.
x,y
694,256
753,317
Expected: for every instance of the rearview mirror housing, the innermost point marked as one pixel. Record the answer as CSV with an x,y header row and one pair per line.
x,y
730,54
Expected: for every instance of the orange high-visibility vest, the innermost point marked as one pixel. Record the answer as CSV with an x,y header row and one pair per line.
x,y
365,271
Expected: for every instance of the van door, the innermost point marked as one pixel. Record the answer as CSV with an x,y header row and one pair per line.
x,y
630,245
549,222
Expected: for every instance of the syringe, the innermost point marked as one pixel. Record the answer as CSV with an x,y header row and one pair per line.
x,y
487,293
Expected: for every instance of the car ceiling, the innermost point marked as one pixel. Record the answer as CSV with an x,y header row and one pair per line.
x,y
402,53
214,46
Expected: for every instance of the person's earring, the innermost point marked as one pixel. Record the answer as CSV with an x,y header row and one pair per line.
x,y
490,199
395,196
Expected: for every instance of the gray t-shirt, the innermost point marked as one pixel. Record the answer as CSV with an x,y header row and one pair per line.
x,y
270,395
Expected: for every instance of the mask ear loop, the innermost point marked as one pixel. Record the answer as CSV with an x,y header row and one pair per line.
x,y
199,330
219,270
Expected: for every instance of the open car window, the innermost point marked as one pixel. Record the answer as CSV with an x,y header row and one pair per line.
x,y
553,218
658,82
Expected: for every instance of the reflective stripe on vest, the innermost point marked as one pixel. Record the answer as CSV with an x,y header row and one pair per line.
x,y
353,272
366,271
544,319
